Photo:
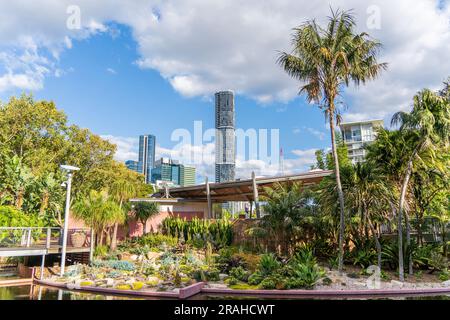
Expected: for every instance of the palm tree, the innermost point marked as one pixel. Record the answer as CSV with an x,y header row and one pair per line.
x,y
144,211
121,190
368,193
326,60
99,212
389,154
429,122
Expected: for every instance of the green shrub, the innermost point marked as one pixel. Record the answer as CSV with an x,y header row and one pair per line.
x,y
444,275
156,240
268,283
239,273
198,231
255,278
268,264
305,275
101,251
333,262
206,274
364,257
231,281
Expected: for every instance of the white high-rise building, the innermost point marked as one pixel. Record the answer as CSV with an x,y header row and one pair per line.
x,y
356,135
225,136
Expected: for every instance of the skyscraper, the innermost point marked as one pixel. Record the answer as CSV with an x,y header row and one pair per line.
x,y
187,176
225,136
147,144
172,172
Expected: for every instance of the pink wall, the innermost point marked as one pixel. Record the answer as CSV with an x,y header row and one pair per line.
x,y
135,228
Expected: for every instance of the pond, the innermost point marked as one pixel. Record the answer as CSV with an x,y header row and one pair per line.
x,y
36,292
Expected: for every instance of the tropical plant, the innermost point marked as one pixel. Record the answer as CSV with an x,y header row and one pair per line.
x,y
326,60
121,190
99,212
268,264
429,123
144,211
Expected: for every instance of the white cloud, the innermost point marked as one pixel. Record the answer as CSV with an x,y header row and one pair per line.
x,y
203,46
111,71
127,147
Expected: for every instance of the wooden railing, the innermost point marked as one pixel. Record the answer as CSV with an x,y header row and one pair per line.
x,y
36,237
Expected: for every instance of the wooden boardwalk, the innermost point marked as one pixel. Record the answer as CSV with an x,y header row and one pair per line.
x,y
29,241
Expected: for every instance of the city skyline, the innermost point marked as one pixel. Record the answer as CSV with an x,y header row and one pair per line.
x,y
108,79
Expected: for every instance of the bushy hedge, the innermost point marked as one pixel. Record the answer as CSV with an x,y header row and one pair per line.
x,y
156,240
12,217
219,232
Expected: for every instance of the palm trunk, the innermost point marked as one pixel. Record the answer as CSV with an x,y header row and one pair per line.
x,y
144,226
444,239
400,213
114,237
101,237
340,193
408,243
377,242
400,218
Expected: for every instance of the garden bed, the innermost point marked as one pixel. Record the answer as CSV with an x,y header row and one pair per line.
x,y
205,288
180,293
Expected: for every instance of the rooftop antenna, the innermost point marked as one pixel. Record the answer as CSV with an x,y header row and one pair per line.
x,y
281,165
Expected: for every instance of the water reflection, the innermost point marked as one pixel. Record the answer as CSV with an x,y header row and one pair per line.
x,y
36,292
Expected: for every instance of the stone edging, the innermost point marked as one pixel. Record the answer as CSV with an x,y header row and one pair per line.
x,y
330,293
182,294
196,288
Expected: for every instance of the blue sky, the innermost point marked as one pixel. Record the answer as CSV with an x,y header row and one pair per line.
x,y
128,71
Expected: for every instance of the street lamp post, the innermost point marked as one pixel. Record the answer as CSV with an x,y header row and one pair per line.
x,y
69,170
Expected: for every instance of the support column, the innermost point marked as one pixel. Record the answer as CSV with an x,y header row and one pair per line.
x,y
255,195
208,197
91,249
41,276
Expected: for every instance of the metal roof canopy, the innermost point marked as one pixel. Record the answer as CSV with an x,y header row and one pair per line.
x,y
241,190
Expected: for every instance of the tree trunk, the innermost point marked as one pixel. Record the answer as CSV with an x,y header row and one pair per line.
x,y
108,236
339,189
144,226
116,227
101,237
408,243
114,237
444,238
377,242
400,218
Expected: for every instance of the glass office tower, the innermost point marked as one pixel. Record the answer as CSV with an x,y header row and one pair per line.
x,y
147,145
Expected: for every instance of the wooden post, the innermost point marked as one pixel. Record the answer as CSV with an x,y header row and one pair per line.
x,y
91,250
41,276
208,197
255,195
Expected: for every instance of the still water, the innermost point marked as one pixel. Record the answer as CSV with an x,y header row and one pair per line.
x,y
36,292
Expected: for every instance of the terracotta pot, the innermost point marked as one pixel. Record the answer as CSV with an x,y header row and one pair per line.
x,y
78,239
